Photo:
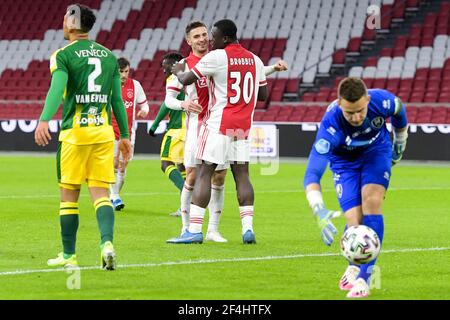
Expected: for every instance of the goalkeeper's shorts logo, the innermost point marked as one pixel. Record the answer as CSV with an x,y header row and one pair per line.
x,y
339,190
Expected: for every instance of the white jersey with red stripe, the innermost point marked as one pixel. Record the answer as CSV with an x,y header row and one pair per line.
x,y
235,75
133,96
197,91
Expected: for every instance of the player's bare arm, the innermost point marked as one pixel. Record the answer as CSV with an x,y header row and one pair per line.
x,y
191,106
186,78
263,93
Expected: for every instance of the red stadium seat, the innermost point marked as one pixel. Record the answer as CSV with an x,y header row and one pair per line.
x,y
339,57
430,97
353,45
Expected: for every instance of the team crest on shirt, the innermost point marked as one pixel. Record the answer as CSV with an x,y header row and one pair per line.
x,y
377,122
322,146
339,190
130,93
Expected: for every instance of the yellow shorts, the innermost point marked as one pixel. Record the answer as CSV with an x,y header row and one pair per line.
x,y
172,149
91,163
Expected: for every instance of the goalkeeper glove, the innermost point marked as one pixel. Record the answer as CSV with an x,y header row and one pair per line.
x,y
398,146
327,229
323,216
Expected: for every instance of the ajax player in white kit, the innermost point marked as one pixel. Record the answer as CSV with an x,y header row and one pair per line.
x,y
236,82
133,96
196,107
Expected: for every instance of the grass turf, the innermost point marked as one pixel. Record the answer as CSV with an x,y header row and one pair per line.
x,y
416,216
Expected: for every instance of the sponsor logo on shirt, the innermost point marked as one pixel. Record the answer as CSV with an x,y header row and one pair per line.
x,y
201,83
358,133
128,104
90,117
91,53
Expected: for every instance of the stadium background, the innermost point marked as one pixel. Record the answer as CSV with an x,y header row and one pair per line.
x,y
408,53
406,50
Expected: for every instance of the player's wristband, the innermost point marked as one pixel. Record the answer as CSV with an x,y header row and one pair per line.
x,y
400,137
315,200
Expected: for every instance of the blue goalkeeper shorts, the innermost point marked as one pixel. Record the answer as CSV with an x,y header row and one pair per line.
x,y
350,176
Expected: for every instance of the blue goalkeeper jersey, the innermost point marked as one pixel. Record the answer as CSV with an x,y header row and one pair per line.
x,y
346,147
338,138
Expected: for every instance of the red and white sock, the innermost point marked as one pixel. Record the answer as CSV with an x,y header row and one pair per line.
x,y
246,218
196,216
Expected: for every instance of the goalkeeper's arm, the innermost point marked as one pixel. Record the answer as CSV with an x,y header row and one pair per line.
x,y
317,165
400,132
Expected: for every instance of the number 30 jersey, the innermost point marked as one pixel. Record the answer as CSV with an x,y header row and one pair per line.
x,y
86,113
235,75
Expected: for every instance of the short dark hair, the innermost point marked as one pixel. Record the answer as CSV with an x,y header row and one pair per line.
x,y
227,27
352,89
87,17
123,63
175,56
194,25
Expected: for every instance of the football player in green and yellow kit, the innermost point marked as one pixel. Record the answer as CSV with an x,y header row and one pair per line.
x,y
172,146
86,75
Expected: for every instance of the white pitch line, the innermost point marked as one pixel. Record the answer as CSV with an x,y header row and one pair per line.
x,y
140,194
205,261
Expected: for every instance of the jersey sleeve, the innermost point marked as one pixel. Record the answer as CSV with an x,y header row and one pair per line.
x,y
58,62
327,139
391,106
173,84
207,66
141,98
262,72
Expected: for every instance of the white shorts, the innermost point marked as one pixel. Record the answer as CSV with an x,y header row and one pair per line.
x,y
116,150
190,151
221,149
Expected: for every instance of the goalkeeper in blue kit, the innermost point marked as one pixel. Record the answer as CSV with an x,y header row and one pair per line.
x,y
354,140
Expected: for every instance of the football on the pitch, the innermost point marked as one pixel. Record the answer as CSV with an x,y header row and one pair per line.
x,y
360,244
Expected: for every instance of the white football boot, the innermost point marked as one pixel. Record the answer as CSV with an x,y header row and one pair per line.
x,y
360,289
348,278
215,236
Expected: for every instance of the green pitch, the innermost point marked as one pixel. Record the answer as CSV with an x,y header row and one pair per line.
x,y
288,262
